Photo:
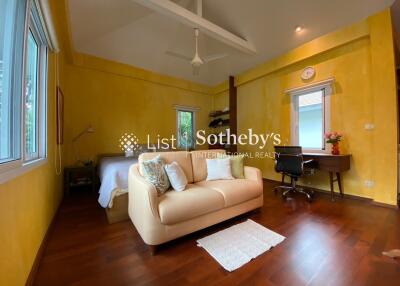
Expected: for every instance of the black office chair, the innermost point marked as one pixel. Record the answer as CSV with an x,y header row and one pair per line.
x,y
289,162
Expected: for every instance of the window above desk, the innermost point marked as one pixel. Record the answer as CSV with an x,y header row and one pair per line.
x,y
310,115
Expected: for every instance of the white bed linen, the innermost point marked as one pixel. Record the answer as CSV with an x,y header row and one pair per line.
x,y
113,175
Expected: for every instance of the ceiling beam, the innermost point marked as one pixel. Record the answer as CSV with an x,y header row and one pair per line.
x,y
190,19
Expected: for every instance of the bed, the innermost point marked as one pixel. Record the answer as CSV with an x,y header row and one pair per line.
x,y
113,193
113,169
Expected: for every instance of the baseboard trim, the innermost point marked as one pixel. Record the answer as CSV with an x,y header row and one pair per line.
x,y
35,266
378,204
353,197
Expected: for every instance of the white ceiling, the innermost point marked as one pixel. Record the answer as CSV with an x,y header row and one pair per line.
x,y
124,31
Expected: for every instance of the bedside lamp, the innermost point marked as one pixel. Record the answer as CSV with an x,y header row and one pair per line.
x,y
87,130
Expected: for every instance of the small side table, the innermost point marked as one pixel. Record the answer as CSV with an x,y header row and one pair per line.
x,y
79,176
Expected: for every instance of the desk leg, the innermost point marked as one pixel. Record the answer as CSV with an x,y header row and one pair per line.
x,y
331,184
339,180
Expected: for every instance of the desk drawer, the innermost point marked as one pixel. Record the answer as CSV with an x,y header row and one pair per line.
x,y
334,163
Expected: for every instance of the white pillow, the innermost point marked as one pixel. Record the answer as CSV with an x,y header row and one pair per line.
x,y
219,169
176,176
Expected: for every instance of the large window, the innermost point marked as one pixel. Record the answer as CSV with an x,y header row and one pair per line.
x,y
23,85
310,118
185,128
12,27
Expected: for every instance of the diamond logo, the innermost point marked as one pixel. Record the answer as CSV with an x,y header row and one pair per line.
x,y
129,143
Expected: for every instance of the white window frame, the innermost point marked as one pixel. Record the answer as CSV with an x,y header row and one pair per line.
x,y
22,163
326,87
39,37
193,110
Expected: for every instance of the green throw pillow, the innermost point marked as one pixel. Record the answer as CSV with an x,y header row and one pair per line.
x,y
237,165
154,173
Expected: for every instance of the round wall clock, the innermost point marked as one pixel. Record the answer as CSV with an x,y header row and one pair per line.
x,y
308,73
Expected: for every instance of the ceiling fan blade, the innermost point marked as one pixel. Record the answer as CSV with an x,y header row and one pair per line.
x,y
196,70
177,55
211,58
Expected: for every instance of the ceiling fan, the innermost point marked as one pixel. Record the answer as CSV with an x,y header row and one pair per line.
x,y
197,61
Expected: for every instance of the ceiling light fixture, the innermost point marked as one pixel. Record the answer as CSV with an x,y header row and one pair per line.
x,y
299,29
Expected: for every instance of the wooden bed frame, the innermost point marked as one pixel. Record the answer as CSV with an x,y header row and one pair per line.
x,y
119,211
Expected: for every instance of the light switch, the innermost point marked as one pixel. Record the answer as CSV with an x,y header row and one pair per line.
x,y
369,183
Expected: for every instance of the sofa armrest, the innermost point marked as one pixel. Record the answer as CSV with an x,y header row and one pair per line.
x,y
252,173
141,192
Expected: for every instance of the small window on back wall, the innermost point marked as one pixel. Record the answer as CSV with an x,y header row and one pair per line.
x,y
185,128
310,118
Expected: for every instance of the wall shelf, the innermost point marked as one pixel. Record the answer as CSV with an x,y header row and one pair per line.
x,y
231,120
219,113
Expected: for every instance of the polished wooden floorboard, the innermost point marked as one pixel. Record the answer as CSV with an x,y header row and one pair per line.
x,y
328,243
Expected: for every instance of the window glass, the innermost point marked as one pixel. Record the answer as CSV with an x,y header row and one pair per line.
x,y
31,97
185,129
7,10
311,120
12,28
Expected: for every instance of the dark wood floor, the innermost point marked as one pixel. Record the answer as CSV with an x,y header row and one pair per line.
x,y
327,244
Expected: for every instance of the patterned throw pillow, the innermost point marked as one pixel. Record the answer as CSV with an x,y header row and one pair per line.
x,y
154,173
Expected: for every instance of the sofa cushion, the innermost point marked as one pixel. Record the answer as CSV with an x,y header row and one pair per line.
x,y
199,162
154,173
219,169
176,176
234,191
194,201
183,158
237,165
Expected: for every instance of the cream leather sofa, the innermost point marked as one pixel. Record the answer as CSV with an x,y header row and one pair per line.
x,y
159,219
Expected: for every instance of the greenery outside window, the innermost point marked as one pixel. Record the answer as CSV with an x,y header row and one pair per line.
x,y
186,127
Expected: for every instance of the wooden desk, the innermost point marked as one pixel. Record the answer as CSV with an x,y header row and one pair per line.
x,y
333,164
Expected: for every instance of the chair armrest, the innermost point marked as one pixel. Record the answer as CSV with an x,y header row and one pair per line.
x,y
252,173
308,161
141,192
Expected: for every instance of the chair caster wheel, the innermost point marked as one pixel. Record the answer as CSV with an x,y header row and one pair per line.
x,y
310,197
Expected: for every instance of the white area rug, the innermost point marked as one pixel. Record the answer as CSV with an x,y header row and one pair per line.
x,y
235,246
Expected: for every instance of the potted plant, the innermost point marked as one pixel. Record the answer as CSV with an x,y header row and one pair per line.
x,y
334,139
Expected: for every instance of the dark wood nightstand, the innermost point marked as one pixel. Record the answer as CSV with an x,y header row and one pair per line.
x,y
79,177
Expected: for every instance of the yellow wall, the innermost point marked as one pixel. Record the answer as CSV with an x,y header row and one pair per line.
x,y
116,98
114,101
29,203
361,58
221,100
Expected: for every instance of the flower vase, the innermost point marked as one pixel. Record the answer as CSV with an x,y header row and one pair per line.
x,y
335,149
